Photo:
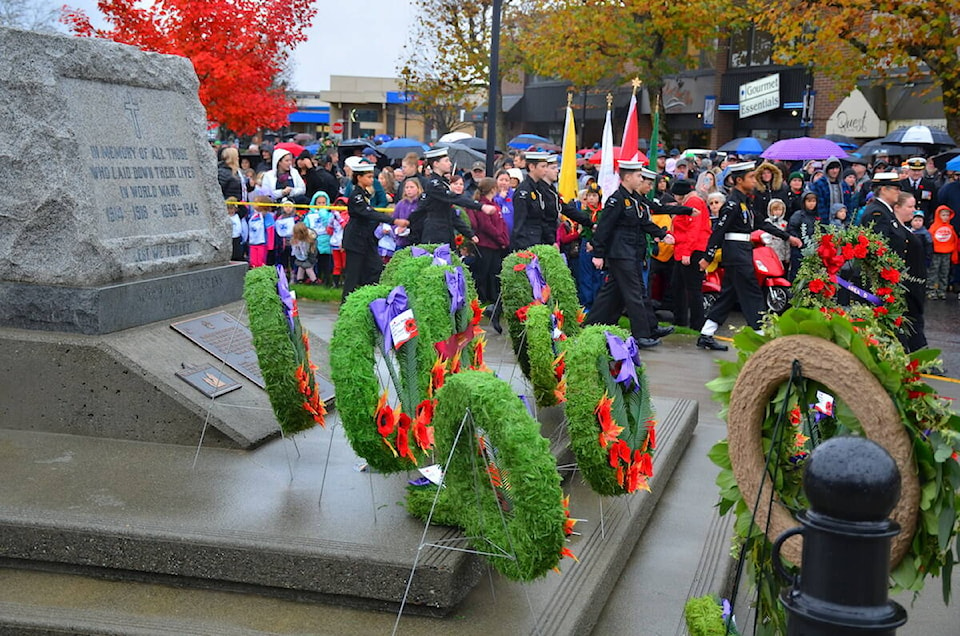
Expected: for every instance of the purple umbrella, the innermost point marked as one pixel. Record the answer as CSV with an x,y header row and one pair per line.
x,y
802,148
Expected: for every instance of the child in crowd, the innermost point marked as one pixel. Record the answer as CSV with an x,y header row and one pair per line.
x,y
239,229
321,220
493,239
260,236
794,193
777,215
803,224
411,191
303,249
286,219
839,215
337,253
946,244
917,227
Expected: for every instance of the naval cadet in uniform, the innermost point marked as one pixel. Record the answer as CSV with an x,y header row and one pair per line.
x,y
732,231
619,246
435,220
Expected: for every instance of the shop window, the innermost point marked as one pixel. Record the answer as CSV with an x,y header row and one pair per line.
x,y
750,47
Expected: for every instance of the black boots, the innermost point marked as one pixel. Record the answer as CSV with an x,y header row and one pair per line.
x,y
708,342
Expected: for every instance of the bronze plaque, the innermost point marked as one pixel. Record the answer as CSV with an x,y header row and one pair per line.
x,y
226,339
208,380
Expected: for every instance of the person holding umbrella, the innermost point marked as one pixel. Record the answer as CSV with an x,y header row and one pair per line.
x,y
737,220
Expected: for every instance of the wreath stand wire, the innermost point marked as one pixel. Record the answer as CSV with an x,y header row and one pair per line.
x,y
449,543
796,376
210,403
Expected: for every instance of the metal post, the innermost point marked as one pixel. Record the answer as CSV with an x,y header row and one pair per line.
x,y
852,484
494,84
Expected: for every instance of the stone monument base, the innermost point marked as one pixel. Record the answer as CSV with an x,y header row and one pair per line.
x,y
124,385
116,306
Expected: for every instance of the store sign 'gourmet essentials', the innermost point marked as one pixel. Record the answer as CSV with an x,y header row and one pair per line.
x,y
760,96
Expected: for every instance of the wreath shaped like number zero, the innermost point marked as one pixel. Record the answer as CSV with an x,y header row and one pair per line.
x,y
523,514
839,370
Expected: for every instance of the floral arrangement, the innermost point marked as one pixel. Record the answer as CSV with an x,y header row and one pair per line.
x,y
610,419
708,616
436,309
933,429
540,277
521,517
283,350
848,253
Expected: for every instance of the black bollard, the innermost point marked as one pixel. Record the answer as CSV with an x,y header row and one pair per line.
x,y
852,484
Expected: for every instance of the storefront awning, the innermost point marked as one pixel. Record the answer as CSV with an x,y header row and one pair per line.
x,y
310,117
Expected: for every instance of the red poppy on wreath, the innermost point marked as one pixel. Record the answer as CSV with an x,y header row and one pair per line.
x,y
816,285
526,254
522,313
891,275
458,240
477,312
519,267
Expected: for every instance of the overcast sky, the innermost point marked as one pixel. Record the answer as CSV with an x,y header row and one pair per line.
x,y
347,38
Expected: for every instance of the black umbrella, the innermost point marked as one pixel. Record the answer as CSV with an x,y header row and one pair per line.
x,y
920,136
847,143
477,143
940,161
462,156
879,147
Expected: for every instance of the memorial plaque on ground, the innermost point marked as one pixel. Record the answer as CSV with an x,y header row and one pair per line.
x,y
112,176
208,380
226,339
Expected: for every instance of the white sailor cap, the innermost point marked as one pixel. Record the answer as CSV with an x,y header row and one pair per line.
x,y
631,165
886,179
351,162
552,158
536,156
436,153
742,167
363,166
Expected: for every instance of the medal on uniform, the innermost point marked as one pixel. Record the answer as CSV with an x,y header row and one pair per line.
x,y
533,195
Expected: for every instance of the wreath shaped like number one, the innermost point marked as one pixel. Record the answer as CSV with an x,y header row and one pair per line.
x,y
531,320
283,353
522,515
353,359
839,370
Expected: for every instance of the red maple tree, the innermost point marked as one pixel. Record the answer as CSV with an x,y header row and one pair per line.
x,y
238,48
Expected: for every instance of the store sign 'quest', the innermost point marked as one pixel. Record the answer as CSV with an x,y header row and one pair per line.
x,y
760,96
854,117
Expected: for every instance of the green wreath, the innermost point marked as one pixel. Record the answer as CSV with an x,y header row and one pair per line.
x,y
819,279
611,427
560,299
362,402
503,490
283,352
933,431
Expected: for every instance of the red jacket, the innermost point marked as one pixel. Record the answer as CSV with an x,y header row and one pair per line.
x,y
944,235
691,233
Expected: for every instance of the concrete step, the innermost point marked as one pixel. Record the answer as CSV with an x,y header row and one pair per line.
x,y
249,522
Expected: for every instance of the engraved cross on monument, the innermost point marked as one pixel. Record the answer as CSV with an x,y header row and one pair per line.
x,y
133,110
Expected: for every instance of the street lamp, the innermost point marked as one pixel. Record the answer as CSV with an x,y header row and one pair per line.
x,y
494,82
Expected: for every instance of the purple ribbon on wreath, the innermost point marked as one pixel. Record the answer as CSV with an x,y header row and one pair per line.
x,y
441,255
535,276
386,309
286,298
862,293
457,286
627,354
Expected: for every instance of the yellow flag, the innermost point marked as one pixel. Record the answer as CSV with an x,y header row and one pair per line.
x,y
568,161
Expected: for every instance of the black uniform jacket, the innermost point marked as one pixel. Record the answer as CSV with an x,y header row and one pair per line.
x,y
623,223
435,220
358,235
737,217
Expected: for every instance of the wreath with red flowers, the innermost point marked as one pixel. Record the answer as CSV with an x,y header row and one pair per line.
x,y
283,351
853,265
610,418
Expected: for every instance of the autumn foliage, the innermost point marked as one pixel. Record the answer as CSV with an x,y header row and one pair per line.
x,y
238,47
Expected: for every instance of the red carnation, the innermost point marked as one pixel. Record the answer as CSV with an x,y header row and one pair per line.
x,y
817,285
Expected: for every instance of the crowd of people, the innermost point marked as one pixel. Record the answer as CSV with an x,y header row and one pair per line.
x,y
642,248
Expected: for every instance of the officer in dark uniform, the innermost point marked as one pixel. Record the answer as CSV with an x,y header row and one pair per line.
x,y
909,246
435,220
619,246
732,231
922,187
529,207
554,205
886,189
364,264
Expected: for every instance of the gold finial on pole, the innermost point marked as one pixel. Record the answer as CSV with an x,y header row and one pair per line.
x,y
609,100
636,83
569,99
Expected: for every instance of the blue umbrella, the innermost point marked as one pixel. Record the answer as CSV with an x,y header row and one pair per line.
x,y
397,148
954,164
380,139
745,146
522,142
